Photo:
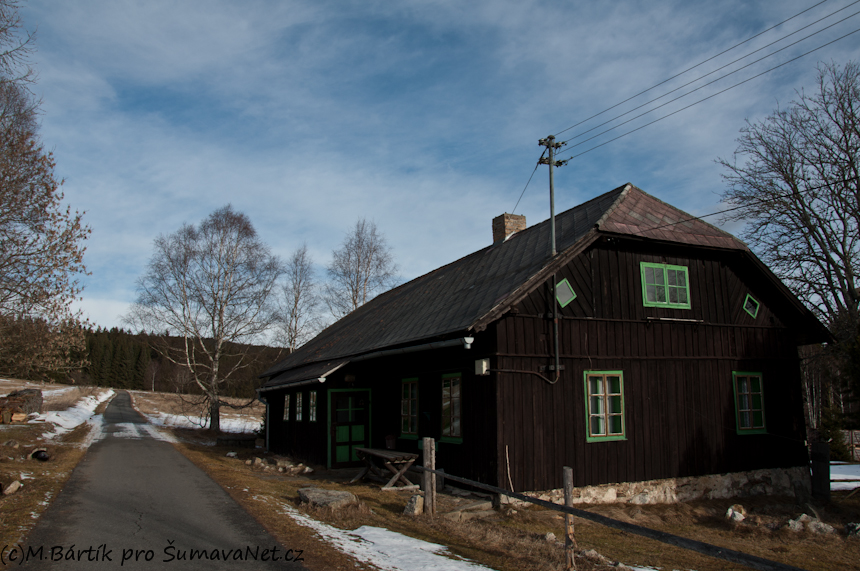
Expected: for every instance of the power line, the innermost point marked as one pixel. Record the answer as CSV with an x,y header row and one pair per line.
x,y
715,71
759,201
703,99
529,181
692,68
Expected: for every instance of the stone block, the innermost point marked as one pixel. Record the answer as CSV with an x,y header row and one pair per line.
x,y
415,505
334,499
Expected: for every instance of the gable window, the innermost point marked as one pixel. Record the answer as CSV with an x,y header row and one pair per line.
x,y
409,408
451,429
665,286
312,406
298,406
751,306
604,398
564,293
749,402
286,407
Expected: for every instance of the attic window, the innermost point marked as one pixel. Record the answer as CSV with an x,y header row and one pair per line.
x,y
564,293
665,286
751,306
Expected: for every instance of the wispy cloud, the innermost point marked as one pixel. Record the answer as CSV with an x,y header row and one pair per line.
x,y
423,116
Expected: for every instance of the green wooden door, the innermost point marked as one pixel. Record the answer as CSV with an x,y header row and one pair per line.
x,y
350,426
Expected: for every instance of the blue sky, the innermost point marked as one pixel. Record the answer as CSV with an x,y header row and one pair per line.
x,y
421,116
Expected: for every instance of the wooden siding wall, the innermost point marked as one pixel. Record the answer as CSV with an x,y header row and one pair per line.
x,y
473,458
303,439
678,391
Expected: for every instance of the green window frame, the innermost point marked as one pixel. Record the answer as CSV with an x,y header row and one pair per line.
x,y
409,408
604,406
312,406
299,407
286,407
751,305
452,408
664,285
564,293
749,402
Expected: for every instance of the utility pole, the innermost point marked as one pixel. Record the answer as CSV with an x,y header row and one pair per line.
x,y
551,146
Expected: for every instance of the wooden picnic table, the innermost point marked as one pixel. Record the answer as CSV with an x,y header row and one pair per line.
x,y
396,462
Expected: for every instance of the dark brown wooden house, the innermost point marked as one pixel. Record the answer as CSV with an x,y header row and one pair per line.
x,y
677,350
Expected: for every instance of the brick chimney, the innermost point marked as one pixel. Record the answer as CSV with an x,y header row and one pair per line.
x,y
507,224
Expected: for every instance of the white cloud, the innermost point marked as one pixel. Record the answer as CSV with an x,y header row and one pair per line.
x,y
423,116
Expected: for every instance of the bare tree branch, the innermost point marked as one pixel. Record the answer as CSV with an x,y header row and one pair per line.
x,y
361,269
798,189
298,302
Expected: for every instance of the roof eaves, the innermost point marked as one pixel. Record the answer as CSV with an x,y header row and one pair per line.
x,y
314,374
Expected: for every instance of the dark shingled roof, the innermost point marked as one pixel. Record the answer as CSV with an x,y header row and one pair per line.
x,y
465,295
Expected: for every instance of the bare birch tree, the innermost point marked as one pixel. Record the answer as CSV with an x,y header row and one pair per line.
x,y
298,302
209,285
361,268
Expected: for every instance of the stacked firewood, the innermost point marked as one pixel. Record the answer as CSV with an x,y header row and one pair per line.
x,y
15,406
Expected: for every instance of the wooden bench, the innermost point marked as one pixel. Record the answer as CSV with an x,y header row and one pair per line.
x,y
396,462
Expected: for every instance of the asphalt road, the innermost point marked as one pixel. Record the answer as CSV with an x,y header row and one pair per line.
x,y
134,502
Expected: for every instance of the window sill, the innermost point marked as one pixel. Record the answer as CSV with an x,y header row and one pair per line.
x,y
408,437
667,305
451,440
743,432
605,438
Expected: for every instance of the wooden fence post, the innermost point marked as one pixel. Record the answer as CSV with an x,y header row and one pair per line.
x,y
429,480
570,538
821,471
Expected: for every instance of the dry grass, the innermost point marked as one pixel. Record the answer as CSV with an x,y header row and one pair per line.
x,y
263,493
513,539
42,481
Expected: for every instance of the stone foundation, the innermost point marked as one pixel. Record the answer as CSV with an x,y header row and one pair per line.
x,y
773,482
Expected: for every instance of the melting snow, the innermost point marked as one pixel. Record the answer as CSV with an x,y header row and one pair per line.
x,y
69,419
386,550
228,424
126,430
841,471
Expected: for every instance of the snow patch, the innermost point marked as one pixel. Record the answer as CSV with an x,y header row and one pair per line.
x,y
69,419
384,549
842,471
228,424
135,431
